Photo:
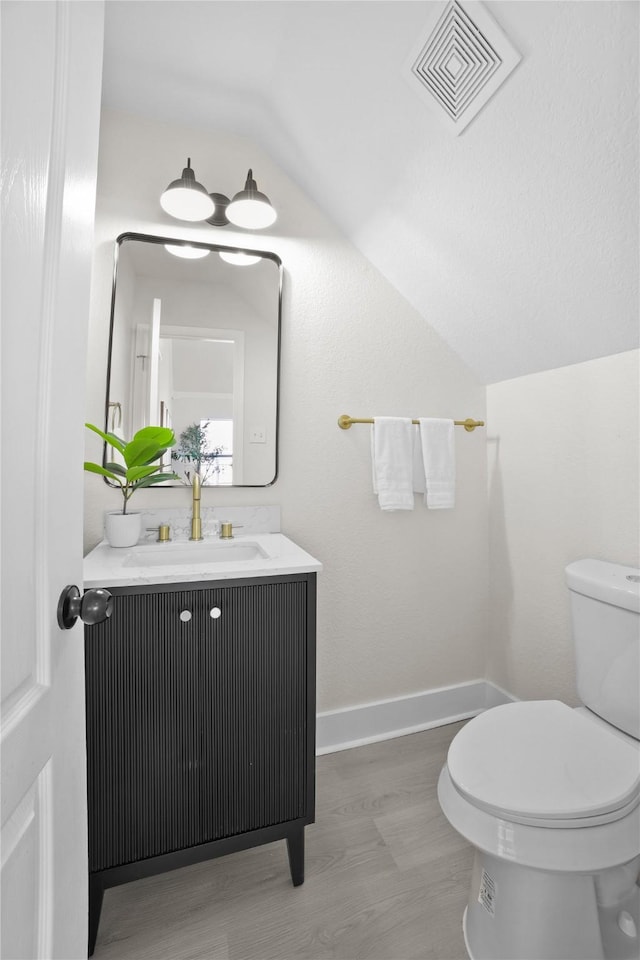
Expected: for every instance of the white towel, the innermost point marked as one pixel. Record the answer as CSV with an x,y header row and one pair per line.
x,y
392,462
439,459
419,483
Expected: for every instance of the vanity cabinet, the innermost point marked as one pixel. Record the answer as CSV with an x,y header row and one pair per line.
x,y
200,703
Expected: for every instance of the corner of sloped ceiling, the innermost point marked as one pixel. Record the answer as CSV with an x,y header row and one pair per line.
x,y
517,241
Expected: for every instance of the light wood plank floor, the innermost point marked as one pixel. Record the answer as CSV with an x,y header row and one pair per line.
x,y
386,877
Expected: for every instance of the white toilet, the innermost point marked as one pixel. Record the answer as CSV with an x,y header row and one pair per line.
x,y
550,796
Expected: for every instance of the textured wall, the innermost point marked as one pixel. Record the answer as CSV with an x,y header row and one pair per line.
x,y
402,598
563,484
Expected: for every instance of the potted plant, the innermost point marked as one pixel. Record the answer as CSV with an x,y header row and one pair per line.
x,y
139,469
193,448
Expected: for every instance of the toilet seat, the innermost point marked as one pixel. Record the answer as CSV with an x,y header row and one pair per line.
x,y
542,763
583,847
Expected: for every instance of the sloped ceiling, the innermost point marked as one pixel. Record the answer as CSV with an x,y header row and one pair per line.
x,y
517,240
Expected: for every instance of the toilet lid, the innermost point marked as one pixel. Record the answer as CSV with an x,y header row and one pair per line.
x,y
542,760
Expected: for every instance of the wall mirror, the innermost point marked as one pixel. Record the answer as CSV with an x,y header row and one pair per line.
x,y
195,345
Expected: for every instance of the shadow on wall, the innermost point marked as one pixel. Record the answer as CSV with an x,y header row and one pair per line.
x,y
499,666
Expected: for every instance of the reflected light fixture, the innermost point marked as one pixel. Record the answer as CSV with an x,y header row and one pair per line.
x,y
186,199
186,252
239,258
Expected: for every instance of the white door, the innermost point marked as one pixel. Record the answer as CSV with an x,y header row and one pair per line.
x,y
51,84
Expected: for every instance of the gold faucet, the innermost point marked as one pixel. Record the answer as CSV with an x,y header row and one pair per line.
x,y
196,523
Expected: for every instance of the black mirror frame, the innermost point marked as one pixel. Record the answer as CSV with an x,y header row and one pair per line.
x,y
265,254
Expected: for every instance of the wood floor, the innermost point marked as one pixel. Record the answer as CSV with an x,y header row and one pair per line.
x,y
386,877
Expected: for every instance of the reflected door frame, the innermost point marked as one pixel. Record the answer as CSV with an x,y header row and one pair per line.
x,y
141,386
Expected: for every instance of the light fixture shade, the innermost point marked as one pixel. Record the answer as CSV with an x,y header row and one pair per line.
x,y
186,251
186,199
238,258
250,208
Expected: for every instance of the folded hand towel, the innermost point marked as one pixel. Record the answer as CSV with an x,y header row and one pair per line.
x,y
392,461
438,455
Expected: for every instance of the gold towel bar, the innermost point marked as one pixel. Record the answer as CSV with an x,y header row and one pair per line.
x,y
345,421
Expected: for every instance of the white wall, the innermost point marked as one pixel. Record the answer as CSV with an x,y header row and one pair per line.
x,y
563,484
402,598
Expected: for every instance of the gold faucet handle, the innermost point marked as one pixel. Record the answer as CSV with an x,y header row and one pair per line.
x,y
226,531
163,531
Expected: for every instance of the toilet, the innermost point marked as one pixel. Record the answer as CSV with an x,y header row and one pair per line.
x,y
549,796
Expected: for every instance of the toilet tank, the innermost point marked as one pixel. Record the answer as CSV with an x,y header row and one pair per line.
x,y
605,617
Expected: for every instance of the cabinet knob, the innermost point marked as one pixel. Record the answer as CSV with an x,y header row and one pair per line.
x,y
185,616
215,612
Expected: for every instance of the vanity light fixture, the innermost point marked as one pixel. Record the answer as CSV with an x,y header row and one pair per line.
x,y
240,259
186,199
186,252
250,208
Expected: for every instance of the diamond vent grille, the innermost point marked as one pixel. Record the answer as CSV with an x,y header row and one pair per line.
x,y
463,62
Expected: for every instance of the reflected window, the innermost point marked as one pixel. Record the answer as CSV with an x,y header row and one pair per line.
x,y
219,436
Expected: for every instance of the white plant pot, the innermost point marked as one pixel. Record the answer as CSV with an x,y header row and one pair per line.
x,y
122,529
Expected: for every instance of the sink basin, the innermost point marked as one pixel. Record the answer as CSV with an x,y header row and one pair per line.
x,y
172,554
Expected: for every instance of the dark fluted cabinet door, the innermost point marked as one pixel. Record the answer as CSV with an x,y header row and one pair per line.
x,y
200,716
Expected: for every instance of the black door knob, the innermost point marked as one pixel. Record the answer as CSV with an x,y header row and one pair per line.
x,y
93,606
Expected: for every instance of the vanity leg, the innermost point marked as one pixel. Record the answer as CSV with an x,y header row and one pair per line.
x,y
96,894
295,849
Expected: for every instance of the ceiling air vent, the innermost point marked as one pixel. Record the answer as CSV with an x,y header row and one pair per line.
x,y
464,60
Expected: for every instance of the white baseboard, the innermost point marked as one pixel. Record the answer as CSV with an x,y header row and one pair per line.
x,y
385,719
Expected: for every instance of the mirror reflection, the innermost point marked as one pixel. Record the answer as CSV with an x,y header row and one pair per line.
x,y
195,346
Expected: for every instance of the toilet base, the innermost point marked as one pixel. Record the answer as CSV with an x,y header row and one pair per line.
x,y
464,933
516,913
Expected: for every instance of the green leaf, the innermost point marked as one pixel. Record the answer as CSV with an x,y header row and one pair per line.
x,y
161,436
156,478
109,438
148,444
138,473
117,468
139,453
96,468
116,441
159,454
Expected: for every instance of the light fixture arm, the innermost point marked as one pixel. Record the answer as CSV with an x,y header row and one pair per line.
x,y
219,216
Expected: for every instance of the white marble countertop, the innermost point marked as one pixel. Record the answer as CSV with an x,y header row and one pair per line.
x,y
181,560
